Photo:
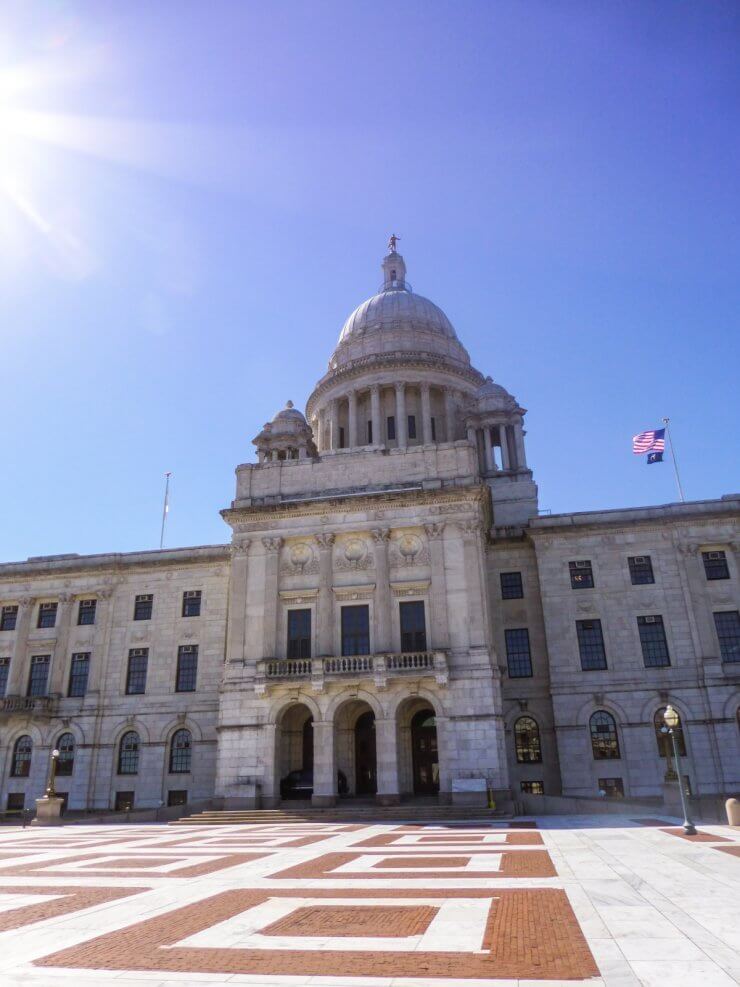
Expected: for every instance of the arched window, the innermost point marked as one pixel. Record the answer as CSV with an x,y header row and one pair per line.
x,y
21,764
527,741
181,748
604,740
128,754
66,748
663,738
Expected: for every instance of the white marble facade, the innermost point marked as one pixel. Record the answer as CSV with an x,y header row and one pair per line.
x,y
405,483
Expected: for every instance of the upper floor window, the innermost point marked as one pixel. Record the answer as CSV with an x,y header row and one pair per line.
x,y
79,671
412,426
66,759
355,630
641,569
653,641
518,657
715,565
187,668
604,740
8,617
727,623
191,603
390,427
86,611
663,737
511,586
527,741
299,634
369,432
47,615
181,747
413,626
591,645
138,659
128,754
4,672
143,606
434,428
38,675
581,574
20,765
341,438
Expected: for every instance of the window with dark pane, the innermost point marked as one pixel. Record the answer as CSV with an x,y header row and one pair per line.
x,y
20,765
47,615
177,796
138,660
527,741
390,427
16,801
641,569
413,626
511,586
604,740
128,754
4,672
412,426
518,656
434,428
180,752
663,737
124,801
653,641
38,675
86,611
79,671
191,603
143,605
532,787
187,668
369,433
591,645
66,759
613,788
299,634
355,630
8,617
581,574
727,623
715,565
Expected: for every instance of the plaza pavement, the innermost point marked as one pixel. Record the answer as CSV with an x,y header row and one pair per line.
x,y
616,901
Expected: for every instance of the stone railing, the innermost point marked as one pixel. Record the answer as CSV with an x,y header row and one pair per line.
x,y
27,705
378,667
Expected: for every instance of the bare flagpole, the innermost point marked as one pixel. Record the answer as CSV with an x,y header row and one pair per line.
x,y
673,457
166,508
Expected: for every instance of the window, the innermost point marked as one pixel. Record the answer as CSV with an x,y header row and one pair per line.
x,y
591,645
727,623
78,674
124,801
604,740
527,741
663,738
341,437
20,766
138,659
143,607
355,630
66,760
177,797
641,570
715,565
86,611
413,626
518,657
38,676
369,433
390,427
180,752
187,668
299,634
128,754
581,574
532,787
653,641
613,788
47,615
4,672
191,603
511,586
412,426
434,429
16,801
8,618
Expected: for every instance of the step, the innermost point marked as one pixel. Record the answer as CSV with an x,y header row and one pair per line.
x,y
339,814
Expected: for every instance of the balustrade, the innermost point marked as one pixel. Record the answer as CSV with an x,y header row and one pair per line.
x,y
380,666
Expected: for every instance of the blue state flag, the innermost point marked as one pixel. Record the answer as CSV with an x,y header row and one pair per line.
x,y
654,457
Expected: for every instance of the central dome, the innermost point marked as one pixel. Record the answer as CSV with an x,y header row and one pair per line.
x,y
397,308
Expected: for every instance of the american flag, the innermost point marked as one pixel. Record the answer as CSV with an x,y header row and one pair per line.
x,y
652,441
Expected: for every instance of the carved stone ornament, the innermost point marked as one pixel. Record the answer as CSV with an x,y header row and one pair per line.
x,y
381,535
301,559
272,544
26,601
66,597
434,531
241,548
325,539
348,594
471,527
355,555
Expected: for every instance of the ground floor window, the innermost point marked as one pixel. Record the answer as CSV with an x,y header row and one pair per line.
x,y
124,801
16,801
613,788
177,796
532,787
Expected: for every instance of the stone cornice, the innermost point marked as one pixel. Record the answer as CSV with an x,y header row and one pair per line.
x,y
669,526
118,562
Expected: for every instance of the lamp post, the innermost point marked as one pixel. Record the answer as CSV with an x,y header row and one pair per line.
x,y
50,792
672,720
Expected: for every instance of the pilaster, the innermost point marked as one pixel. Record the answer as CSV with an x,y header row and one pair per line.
x,y
440,637
383,623
269,629
325,636
18,665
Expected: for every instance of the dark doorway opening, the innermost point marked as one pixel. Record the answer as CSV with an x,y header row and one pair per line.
x,y
366,765
425,756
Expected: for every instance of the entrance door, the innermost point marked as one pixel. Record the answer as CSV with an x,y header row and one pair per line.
x,y
424,753
366,779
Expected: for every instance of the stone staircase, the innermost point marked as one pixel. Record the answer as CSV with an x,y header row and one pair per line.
x,y
345,813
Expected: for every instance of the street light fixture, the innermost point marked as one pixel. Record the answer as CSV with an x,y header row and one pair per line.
x,y
50,791
672,721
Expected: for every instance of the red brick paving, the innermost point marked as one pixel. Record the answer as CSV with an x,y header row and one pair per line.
x,y
427,862
391,839
517,863
71,900
733,850
46,868
699,837
389,921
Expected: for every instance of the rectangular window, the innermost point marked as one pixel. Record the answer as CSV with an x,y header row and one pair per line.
x,y
511,586
341,436
390,427
412,426
143,607
299,634
653,641
16,801
187,668
434,429
613,788
39,675
715,565
79,671
138,659
191,603
8,618
532,787
641,570
413,626
727,623
86,612
370,433
355,630
581,574
177,797
47,615
4,671
591,645
124,801
518,656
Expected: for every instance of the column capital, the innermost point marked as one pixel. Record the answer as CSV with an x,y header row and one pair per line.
x,y
26,601
272,544
381,535
471,527
241,547
400,385
325,539
434,531
65,598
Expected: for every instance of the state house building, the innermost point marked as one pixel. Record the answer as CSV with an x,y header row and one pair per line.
x,y
391,618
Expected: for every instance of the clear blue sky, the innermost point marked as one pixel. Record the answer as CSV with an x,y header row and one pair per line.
x,y
194,195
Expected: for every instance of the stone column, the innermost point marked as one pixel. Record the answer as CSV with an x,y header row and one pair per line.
x,y
352,419
269,626
450,415
18,664
471,533
375,414
237,618
321,418
401,422
386,747
519,444
334,423
325,608
505,461
324,764
439,630
383,623
64,615
489,458
426,415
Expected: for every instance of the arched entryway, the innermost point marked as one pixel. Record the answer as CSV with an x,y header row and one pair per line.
x,y
356,752
418,749
295,753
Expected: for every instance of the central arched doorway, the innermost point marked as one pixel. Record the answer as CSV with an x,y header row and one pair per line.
x,y
424,753
366,762
354,743
295,753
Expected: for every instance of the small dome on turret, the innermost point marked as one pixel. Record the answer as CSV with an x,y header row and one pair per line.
x,y
287,436
288,414
491,396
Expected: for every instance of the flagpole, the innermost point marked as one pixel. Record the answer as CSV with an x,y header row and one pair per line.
x,y
166,507
673,457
